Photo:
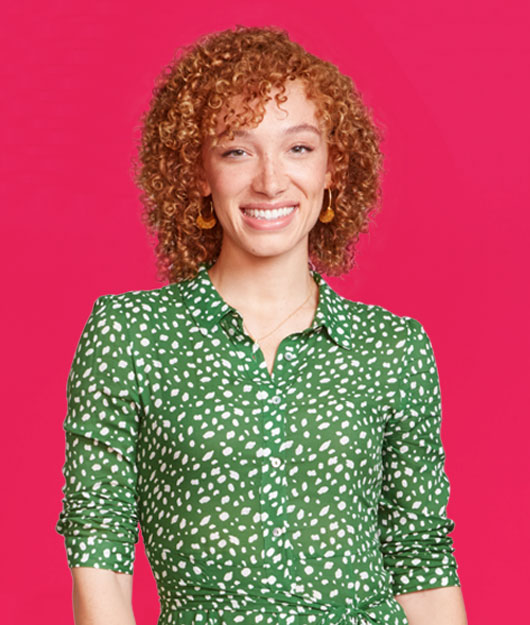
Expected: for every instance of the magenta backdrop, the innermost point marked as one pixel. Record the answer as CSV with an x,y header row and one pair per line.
x,y
448,81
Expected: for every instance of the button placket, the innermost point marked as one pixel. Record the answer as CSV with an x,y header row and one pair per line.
x,y
273,486
273,499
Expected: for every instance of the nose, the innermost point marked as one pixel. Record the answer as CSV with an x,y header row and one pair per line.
x,y
270,179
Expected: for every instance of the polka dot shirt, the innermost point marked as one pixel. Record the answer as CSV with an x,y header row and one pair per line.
x,y
309,496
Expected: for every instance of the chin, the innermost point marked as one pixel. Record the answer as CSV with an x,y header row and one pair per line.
x,y
266,251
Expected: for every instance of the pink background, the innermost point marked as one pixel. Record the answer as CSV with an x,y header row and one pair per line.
x,y
448,80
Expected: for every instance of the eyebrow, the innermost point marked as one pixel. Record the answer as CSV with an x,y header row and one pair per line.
x,y
287,131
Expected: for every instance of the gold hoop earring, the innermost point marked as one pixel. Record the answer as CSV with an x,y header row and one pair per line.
x,y
206,224
329,213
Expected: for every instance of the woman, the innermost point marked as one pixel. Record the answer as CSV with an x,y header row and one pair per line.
x,y
279,444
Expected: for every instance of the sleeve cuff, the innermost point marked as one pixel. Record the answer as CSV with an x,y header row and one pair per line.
x,y
99,553
423,579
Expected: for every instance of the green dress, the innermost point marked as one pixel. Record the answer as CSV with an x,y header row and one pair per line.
x,y
309,496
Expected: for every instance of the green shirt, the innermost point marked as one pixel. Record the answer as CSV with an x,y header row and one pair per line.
x,y
312,495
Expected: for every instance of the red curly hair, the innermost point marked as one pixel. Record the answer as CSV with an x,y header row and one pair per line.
x,y
186,104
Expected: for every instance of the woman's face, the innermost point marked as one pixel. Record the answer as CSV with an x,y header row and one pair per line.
x,y
267,184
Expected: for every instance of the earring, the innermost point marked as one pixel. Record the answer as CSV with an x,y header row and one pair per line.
x,y
329,213
206,224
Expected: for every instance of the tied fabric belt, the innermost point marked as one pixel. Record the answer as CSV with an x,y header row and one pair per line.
x,y
348,615
333,615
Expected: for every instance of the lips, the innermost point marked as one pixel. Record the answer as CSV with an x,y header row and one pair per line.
x,y
269,212
268,206
268,216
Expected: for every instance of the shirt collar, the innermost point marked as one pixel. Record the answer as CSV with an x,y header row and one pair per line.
x,y
207,307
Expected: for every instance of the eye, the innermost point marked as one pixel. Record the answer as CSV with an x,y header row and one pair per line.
x,y
234,152
301,149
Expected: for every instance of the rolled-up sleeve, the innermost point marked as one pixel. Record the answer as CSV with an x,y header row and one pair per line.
x,y
99,515
414,528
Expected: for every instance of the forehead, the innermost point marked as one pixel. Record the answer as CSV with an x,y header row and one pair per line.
x,y
297,109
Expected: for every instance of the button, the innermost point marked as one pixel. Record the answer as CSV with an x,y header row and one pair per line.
x,y
276,399
277,531
276,462
289,356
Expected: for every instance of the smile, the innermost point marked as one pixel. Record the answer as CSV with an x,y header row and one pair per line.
x,y
269,214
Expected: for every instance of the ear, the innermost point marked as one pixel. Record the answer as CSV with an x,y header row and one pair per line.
x,y
202,178
204,186
329,175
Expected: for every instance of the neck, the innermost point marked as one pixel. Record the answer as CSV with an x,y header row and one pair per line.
x,y
263,287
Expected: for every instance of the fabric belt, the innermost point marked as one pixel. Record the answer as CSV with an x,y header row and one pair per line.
x,y
348,615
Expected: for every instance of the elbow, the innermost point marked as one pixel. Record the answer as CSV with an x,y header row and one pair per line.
x,y
419,562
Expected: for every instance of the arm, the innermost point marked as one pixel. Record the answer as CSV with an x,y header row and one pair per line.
x,y
99,516
434,606
414,528
102,597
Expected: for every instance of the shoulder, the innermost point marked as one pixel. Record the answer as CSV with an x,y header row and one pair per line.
x,y
139,313
377,319
377,326
146,299
147,304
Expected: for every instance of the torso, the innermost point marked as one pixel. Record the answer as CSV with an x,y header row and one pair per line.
x,y
203,437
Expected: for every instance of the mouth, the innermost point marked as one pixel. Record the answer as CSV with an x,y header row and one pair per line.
x,y
269,213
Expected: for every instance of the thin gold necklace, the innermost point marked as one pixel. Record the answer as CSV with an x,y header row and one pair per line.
x,y
280,324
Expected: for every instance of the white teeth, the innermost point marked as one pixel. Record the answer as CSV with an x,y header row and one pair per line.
x,y
269,215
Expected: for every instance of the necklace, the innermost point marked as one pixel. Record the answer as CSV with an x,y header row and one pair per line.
x,y
280,324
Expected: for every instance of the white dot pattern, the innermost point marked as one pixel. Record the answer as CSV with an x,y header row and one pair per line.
x,y
309,496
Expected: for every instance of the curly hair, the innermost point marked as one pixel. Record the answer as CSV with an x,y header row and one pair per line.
x,y
188,98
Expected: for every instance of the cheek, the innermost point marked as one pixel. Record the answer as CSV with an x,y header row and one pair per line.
x,y
311,173
312,181
227,182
